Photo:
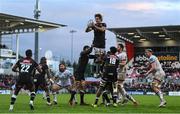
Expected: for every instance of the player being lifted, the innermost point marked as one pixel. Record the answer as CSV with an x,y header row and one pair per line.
x,y
41,81
79,73
122,74
99,29
158,75
109,77
25,67
63,79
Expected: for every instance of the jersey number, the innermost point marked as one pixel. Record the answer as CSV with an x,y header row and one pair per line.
x,y
25,68
112,61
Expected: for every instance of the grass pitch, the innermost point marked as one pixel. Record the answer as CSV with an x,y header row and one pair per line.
x,y
147,104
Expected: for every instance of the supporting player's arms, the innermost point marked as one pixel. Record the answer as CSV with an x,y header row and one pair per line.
x,y
87,51
39,69
48,73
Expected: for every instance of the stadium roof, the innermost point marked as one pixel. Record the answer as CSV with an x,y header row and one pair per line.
x,y
10,24
137,34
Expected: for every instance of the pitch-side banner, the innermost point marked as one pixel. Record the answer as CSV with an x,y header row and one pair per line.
x,y
139,57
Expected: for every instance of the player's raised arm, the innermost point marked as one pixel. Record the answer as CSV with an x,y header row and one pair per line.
x,y
89,26
38,68
48,73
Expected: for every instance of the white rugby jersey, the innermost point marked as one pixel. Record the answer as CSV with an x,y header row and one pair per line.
x,y
122,57
158,67
64,77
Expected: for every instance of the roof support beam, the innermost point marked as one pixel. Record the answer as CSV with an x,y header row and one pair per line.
x,y
142,35
166,33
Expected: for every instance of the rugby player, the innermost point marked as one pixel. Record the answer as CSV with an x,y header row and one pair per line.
x,y
41,81
122,74
26,68
64,79
109,77
157,74
79,73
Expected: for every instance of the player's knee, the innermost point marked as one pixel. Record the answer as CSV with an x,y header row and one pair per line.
x,y
154,85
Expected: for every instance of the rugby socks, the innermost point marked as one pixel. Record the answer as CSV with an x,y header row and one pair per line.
x,y
130,98
54,97
72,95
48,98
160,95
114,98
32,97
82,97
125,94
13,99
44,95
75,98
105,97
96,101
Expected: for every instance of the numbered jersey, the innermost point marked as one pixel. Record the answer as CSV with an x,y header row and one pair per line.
x,y
110,68
26,66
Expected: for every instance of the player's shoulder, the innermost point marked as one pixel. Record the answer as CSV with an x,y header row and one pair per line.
x,y
152,58
67,71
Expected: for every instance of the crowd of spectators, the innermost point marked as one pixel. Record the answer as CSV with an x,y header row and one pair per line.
x,y
6,81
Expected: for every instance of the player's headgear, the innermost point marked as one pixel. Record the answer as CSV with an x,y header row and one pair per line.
x,y
121,46
98,15
29,53
85,47
149,50
113,50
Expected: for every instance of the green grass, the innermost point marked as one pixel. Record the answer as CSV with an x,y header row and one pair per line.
x,y
148,104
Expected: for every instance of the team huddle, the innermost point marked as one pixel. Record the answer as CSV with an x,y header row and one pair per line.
x,y
111,68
